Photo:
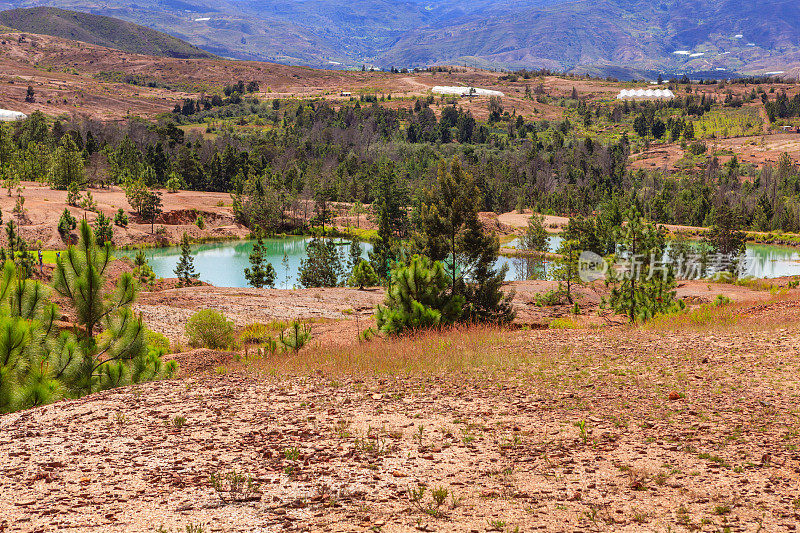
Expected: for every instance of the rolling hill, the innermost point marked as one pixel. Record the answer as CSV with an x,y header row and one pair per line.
x,y
100,30
604,37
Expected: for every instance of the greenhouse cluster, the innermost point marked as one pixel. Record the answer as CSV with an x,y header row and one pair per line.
x,y
636,94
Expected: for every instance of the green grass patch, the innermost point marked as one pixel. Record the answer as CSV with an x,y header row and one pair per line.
x,y
728,122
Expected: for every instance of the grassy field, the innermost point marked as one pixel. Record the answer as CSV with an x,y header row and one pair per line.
x,y
728,122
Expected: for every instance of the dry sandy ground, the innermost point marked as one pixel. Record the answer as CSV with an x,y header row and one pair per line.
x,y
754,150
663,157
763,149
519,220
514,223
614,429
333,312
337,315
44,207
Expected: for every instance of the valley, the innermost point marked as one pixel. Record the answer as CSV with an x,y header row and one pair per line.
x,y
528,310
626,40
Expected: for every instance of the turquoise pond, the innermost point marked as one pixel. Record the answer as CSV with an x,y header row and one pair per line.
x,y
222,264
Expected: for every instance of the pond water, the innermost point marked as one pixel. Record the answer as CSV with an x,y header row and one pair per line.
x,y
762,260
222,264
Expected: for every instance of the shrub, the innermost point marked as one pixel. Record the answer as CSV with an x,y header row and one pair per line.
x,y
173,183
721,300
563,323
255,333
418,298
209,329
698,148
298,336
66,223
550,298
363,276
157,341
121,218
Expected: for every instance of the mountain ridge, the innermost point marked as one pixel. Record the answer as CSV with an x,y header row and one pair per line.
x,y
577,36
100,30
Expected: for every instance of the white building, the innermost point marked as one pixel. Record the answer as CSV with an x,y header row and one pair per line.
x,y
7,115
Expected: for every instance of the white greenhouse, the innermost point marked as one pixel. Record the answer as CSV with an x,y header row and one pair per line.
x,y
465,91
7,114
645,94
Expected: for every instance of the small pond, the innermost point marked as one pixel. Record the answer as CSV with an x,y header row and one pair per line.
x,y
222,264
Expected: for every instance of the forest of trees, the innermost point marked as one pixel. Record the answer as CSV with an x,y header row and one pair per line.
x,y
355,153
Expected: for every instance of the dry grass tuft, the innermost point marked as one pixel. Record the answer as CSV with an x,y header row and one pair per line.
x,y
705,317
722,317
461,348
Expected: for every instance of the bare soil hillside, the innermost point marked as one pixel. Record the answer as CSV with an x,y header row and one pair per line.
x,y
673,427
180,211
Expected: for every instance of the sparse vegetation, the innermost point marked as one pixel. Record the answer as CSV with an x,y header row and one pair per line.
x,y
210,329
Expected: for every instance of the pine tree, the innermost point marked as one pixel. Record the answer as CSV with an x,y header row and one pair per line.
x,y
286,274
298,336
363,276
646,287
389,211
18,251
103,230
261,273
67,164
73,194
30,351
185,267
450,231
536,238
417,298
566,266
383,253
142,271
151,207
121,218
322,266
66,223
120,356
726,238
354,255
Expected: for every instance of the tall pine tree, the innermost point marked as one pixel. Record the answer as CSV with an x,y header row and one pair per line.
x,y
389,210
646,287
451,232
185,267
261,272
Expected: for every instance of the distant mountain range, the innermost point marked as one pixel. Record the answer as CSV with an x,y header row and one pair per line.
x,y
623,38
97,29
